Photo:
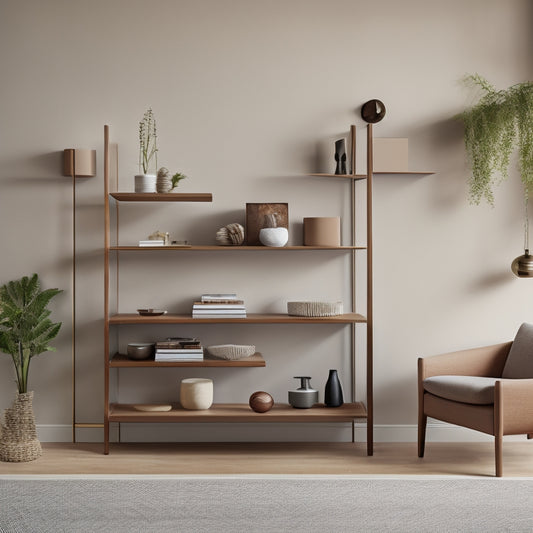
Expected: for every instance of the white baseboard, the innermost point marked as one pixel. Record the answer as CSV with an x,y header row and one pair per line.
x,y
436,432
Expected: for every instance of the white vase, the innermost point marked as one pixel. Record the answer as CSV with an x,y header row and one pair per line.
x,y
145,183
196,393
274,236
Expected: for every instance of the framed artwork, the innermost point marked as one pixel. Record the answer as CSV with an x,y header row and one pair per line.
x,y
260,216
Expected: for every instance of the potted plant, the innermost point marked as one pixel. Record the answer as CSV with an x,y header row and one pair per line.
x,y
145,181
501,121
25,331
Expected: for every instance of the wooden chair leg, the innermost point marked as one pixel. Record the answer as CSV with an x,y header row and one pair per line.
x,y
498,450
422,422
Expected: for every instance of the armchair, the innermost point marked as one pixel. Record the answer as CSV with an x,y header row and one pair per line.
x,y
487,389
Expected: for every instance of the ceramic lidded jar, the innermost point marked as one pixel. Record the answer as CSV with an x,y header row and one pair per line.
x,y
196,393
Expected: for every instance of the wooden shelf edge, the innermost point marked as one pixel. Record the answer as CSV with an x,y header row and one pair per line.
x,y
240,412
407,173
345,176
122,361
162,197
243,248
134,318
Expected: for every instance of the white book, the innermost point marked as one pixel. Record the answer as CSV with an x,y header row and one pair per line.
x,y
241,315
174,357
177,352
214,297
218,311
152,243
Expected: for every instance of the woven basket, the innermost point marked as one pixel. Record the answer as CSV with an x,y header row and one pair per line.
x,y
18,441
231,352
314,308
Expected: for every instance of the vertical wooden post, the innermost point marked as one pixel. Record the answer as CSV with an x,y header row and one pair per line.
x,y
498,428
106,289
369,311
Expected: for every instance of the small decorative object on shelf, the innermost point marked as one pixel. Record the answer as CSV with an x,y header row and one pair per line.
x,y
322,231
311,309
219,306
305,396
373,111
271,234
230,235
176,178
333,392
261,402
179,349
255,219
151,312
164,181
231,352
153,407
196,393
145,181
340,156
140,350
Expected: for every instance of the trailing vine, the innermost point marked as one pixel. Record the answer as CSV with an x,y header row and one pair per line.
x,y
501,121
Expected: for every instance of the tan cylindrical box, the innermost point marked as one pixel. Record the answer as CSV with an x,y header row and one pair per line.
x,y
322,231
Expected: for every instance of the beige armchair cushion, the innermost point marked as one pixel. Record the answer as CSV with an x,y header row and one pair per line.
x,y
465,389
519,364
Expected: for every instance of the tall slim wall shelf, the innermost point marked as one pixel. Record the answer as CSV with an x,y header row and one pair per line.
x,y
116,412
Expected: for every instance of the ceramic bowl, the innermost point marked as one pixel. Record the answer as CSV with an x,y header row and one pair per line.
x,y
140,350
274,236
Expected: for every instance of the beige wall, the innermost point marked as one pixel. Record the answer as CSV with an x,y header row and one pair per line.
x,y
249,96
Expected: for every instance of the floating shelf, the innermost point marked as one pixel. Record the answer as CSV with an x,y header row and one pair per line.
x,y
237,412
162,197
134,318
364,176
122,361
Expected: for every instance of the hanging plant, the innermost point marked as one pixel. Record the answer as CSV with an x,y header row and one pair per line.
x,y
500,122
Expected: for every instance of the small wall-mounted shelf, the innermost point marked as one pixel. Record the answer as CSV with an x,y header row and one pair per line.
x,y
163,197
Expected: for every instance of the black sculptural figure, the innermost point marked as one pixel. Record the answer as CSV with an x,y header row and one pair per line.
x,y
340,157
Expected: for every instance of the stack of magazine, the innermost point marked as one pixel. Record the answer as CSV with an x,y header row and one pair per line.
x,y
179,349
219,306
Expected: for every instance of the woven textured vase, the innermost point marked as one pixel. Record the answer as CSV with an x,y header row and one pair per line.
x,y
18,440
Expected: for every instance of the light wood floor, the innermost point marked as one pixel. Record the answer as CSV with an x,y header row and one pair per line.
x,y
277,458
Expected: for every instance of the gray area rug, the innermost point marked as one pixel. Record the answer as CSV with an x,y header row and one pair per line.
x,y
278,504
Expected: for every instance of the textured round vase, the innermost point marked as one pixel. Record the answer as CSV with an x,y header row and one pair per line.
x,y
196,393
276,237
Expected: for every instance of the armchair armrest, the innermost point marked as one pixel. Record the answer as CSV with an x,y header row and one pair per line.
x,y
486,361
515,400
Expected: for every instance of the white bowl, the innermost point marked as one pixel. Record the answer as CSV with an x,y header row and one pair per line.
x,y
231,352
274,236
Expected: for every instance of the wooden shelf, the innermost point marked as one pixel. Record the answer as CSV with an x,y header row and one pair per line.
x,y
407,173
244,248
122,361
162,197
280,318
237,412
345,176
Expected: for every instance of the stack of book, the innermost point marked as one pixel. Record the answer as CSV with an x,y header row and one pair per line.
x,y
219,306
179,350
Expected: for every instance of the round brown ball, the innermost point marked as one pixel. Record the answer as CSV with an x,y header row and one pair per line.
x,y
261,401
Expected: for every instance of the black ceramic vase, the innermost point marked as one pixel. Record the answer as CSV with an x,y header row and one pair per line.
x,y
333,392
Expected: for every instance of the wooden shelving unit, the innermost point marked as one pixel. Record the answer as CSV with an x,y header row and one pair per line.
x,y
349,412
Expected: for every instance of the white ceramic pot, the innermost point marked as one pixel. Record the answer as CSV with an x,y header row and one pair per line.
x,y
145,183
274,236
196,393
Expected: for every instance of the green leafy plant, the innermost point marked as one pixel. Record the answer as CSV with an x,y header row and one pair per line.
x,y
25,329
501,121
176,178
147,142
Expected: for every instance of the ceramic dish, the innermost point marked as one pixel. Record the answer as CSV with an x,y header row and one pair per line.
x,y
151,312
231,352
